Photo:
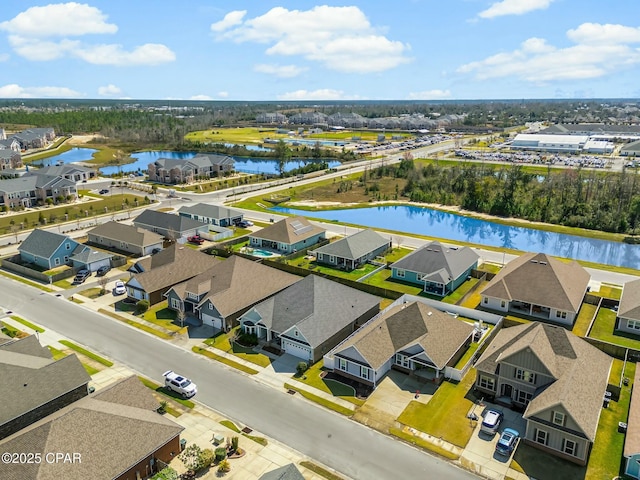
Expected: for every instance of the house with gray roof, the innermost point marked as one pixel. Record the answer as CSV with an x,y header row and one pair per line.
x,y
10,159
412,337
286,472
35,385
35,137
31,189
90,259
539,286
218,215
631,149
125,238
287,236
75,173
437,268
558,378
628,318
115,433
352,251
310,317
47,249
169,225
221,294
187,170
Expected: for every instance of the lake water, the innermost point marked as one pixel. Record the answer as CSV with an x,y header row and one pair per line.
x,y
143,159
436,223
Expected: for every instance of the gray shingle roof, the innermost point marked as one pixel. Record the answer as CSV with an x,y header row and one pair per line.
x,y
319,307
126,233
211,211
355,246
200,160
444,263
167,221
287,472
630,301
540,280
44,243
88,255
581,371
289,230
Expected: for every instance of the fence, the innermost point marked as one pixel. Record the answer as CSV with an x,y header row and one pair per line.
x,y
13,264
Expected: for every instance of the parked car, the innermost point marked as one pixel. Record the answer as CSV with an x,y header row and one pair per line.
x,y
103,270
103,191
119,288
491,422
179,384
197,239
81,276
507,442
242,224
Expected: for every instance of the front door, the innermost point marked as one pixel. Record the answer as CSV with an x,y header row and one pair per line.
x,y
507,390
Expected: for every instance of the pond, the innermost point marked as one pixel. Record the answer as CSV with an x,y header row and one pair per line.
x,y
436,223
76,154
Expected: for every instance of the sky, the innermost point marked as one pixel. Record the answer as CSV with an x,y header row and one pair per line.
x,y
324,50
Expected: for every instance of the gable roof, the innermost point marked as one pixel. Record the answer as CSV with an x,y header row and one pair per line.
x,y
200,160
112,432
31,378
443,264
86,255
318,307
236,283
437,333
541,280
289,230
286,472
126,233
44,243
166,221
630,300
355,246
210,211
568,358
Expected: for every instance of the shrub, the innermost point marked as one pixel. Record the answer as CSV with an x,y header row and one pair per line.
x,y
162,408
224,466
206,458
190,457
248,339
220,454
142,306
167,473
301,367
234,444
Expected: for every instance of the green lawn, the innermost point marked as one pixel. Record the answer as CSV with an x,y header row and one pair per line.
x,y
225,360
321,401
609,291
352,275
580,328
90,370
461,291
381,279
27,323
57,354
467,355
164,391
396,254
221,342
26,282
246,135
312,377
603,329
162,316
490,267
64,283
87,353
93,292
138,325
445,416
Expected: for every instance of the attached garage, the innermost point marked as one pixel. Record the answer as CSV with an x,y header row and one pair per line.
x,y
212,321
297,350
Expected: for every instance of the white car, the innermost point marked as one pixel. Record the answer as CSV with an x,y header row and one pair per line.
x,y
119,288
179,384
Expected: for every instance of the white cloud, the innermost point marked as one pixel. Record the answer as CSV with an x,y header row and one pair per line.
x,y
223,94
109,91
231,19
200,97
148,54
282,71
514,7
340,38
435,94
538,62
61,19
16,91
320,94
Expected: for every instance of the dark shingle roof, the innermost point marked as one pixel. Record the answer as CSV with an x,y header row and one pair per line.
x,y
443,263
355,246
167,221
126,233
289,230
630,300
210,211
44,243
287,472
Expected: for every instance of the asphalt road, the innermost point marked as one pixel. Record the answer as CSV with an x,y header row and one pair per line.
x,y
347,446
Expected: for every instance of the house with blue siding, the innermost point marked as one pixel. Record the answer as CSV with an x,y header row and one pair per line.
x,y
287,236
437,268
47,249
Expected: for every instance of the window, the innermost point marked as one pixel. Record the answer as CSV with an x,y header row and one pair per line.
x,y
365,372
56,261
67,246
557,418
420,276
400,273
524,397
332,259
633,324
570,447
540,436
342,364
175,303
503,304
66,258
561,314
295,332
525,375
485,300
402,360
487,383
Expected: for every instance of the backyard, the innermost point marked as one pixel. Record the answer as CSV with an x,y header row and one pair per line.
x,y
586,313
604,329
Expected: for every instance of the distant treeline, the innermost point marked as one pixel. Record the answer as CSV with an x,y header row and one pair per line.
x,y
597,200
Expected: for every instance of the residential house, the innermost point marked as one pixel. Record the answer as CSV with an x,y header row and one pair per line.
x,y
125,238
35,138
438,269
154,276
539,286
310,317
629,309
75,173
179,170
115,433
11,144
35,385
85,257
352,251
47,249
218,215
558,378
10,159
631,451
412,337
221,294
171,226
32,189
288,235
286,472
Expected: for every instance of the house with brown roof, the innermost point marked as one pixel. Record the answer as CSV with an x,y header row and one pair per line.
x,y
35,385
219,295
154,276
412,337
540,286
113,434
287,236
173,227
558,378
125,238
629,309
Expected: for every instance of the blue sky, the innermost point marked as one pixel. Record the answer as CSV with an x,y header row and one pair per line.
x,y
302,50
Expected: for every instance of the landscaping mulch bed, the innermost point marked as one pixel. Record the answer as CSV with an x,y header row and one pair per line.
x,y
362,391
271,349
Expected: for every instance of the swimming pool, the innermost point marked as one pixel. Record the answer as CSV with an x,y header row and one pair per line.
x,y
258,252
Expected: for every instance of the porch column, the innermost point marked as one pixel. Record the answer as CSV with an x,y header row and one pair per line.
x,y
531,309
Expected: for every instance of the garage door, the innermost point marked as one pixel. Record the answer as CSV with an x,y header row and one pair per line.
x,y
297,350
101,263
212,321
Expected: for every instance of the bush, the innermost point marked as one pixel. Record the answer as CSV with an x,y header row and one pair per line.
x,y
206,458
167,473
142,306
220,454
224,466
234,444
301,367
162,408
248,339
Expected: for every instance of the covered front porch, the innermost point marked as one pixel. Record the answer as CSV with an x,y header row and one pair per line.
x,y
417,367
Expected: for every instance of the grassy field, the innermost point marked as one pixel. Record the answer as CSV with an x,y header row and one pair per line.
x,y
365,136
246,135
609,291
162,316
351,275
312,377
603,329
584,319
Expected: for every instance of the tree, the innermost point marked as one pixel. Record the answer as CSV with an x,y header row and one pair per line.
x,y
181,315
102,281
142,306
190,457
283,154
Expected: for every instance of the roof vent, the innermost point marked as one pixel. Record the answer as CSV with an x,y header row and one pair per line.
x,y
543,263
534,261
430,313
